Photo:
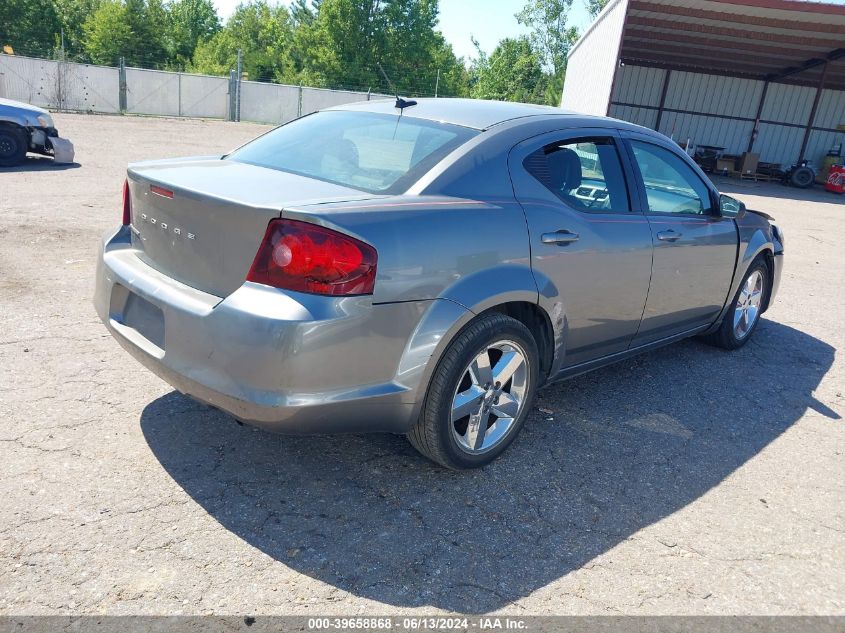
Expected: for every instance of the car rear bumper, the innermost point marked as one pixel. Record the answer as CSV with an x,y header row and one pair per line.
x,y
288,362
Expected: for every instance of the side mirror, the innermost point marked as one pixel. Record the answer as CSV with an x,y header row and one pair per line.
x,y
730,207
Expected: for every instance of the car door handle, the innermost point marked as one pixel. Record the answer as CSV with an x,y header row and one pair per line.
x,y
669,236
559,237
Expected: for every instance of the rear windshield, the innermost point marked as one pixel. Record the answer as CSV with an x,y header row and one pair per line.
x,y
377,153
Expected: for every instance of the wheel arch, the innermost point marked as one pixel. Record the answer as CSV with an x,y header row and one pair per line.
x,y
16,122
445,319
15,127
757,246
769,255
538,322
518,296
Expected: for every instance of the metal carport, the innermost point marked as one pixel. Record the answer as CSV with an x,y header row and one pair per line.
x,y
760,75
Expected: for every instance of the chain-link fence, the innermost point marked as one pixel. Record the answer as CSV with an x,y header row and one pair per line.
x,y
70,86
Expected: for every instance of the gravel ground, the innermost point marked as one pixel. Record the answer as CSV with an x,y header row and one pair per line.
x,y
686,481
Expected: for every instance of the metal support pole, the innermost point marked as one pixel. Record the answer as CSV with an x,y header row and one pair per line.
x,y
232,89
299,102
60,76
238,87
756,130
813,111
666,77
179,79
121,83
369,90
60,71
437,83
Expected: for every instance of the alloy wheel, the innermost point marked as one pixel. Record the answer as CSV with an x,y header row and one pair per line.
x,y
748,305
490,396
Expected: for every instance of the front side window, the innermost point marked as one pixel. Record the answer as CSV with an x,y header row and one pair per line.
x,y
671,185
585,174
377,153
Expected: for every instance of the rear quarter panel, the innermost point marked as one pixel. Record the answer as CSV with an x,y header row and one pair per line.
x,y
456,257
472,251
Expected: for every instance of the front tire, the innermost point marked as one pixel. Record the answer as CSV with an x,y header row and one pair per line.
x,y
747,306
13,144
480,394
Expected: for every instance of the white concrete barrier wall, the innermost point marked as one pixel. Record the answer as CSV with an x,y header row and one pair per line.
x,y
62,86
203,96
88,88
152,92
314,99
28,80
268,103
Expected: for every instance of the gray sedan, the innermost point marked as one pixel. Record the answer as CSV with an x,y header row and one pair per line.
x,y
425,269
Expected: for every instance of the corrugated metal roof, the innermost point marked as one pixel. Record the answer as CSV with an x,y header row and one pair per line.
x,y
783,40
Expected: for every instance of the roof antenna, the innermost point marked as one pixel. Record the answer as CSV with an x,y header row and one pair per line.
x,y
400,102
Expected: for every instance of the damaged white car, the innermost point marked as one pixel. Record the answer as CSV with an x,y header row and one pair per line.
x,y
28,128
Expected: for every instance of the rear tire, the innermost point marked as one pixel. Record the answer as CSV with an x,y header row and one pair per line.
x,y
744,314
469,417
13,145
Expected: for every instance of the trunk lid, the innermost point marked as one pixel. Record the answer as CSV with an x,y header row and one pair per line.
x,y
207,234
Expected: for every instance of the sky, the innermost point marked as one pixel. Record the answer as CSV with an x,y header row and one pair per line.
x,y
488,20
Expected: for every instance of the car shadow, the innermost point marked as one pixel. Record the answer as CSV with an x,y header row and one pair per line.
x,y
601,457
40,163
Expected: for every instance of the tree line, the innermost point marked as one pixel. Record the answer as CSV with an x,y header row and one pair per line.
x,y
321,43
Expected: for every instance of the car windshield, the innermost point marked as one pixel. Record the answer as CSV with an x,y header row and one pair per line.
x,y
377,153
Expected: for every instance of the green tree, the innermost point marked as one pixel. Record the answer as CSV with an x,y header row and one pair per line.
x,y
343,43
347,40
454,76
72,16
551,38
410,43
191,22
331,43
594,7
107,33
264,34
513,72
304,13
133,29
29,26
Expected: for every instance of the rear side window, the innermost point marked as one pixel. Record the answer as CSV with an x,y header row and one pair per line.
x,y
586,174
377,153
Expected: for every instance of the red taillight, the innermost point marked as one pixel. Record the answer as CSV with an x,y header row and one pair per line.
x,y
306,257
127,205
